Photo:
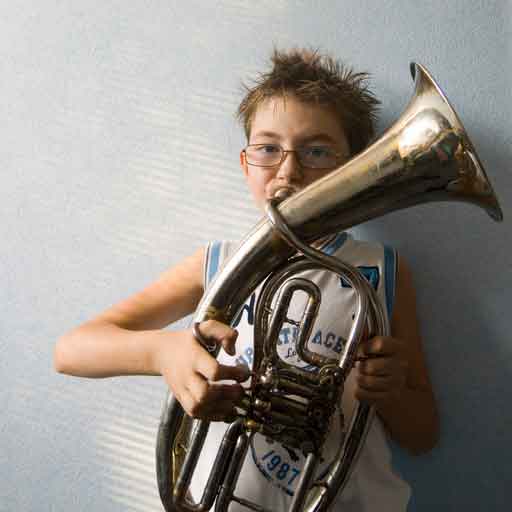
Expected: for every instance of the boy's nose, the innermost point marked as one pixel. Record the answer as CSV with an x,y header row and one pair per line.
x,y
290,168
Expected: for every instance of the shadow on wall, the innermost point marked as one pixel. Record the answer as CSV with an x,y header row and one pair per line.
x,y
460,288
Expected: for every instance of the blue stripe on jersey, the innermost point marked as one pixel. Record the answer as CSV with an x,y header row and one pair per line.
x,y
213,263
338,241
390,272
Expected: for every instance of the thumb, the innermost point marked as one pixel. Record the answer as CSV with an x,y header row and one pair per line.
x,y
228,342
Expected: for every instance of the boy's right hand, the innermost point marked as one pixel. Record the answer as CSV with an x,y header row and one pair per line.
x,y
193,374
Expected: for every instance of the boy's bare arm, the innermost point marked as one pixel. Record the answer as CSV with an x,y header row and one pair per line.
x,y
127,339
119,340
172,296
397,381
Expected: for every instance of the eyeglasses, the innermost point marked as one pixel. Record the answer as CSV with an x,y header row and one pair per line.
x,y
310,157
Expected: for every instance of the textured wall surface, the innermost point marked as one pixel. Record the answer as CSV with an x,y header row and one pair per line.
x,y
119,156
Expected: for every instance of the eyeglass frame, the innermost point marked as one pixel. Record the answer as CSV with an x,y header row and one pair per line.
x,y
284,153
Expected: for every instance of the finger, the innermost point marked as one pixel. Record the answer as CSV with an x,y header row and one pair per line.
x,y
219,411
383,365
203,399
228,344
212,393
223,391
243,372
228,339
217,332
189,404
360,354
380,346
376,366
364,353
239,373
362,349
376,383
198,387
212,370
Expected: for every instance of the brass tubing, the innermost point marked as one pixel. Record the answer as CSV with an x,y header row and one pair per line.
x,y
227,488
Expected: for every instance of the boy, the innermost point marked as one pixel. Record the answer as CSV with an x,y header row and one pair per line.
x,y
303,119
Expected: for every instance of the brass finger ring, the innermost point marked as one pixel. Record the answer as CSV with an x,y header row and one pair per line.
x,y
208,345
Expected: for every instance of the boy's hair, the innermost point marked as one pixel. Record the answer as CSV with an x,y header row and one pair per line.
x,y
315,78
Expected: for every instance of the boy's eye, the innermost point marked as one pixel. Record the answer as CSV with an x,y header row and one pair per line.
x,y
268,148
317,151
318,157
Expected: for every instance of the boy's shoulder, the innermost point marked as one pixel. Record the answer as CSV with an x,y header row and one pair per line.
x,y
345,243
217,252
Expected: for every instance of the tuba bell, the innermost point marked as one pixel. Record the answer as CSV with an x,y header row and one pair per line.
x,y
424,156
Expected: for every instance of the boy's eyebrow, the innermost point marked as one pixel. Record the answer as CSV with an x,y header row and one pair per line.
x,y
267,134
320,136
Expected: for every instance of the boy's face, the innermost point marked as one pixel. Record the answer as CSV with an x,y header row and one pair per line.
x,y
291,123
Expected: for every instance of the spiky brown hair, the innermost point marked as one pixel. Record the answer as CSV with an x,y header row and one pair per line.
x,y
316,78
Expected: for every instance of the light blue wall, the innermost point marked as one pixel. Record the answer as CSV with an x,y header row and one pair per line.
x,y
118,156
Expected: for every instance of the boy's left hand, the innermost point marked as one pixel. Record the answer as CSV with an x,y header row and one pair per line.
x,y
382,372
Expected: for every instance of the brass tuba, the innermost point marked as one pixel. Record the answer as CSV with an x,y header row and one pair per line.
x,y
425,155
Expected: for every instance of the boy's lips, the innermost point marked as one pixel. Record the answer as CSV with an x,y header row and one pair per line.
x,y
282,192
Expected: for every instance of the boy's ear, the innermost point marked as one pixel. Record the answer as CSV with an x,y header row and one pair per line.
x,y
243,162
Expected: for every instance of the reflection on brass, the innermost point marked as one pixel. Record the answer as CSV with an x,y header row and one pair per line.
x,y
179,449
424,156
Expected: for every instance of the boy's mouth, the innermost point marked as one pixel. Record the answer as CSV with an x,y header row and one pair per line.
x,y
283,192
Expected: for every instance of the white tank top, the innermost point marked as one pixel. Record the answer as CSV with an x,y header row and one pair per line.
x,y
270,472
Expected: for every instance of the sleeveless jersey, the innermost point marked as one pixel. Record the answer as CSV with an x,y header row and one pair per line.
x,y
271,472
